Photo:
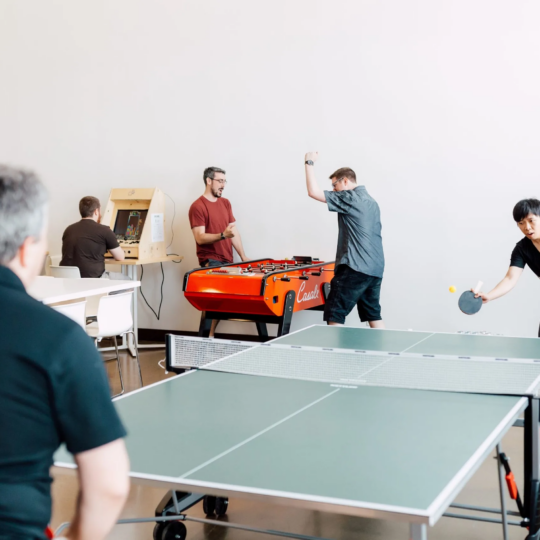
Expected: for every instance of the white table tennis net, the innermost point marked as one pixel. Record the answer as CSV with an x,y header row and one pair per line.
x,y
478,375
194,352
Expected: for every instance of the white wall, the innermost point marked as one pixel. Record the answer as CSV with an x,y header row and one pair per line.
x,y
434,104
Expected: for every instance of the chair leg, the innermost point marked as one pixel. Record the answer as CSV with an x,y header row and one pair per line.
x,y
136,354
119,368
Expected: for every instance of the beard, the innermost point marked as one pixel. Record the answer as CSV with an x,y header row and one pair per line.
x,y
217,193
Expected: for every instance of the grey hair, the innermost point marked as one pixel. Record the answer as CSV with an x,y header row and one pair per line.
x,y
210,172
23,210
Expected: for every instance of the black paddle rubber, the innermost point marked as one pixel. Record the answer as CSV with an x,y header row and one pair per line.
x,y
469,304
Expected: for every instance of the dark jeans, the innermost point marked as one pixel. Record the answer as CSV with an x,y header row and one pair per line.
x,y
212,262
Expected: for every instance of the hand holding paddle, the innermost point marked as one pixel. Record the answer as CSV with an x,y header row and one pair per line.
x,y
470,302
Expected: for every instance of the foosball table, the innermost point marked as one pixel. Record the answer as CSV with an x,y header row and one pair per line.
x,y
261,291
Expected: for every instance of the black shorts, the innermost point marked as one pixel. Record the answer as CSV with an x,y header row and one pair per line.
x,y
349,287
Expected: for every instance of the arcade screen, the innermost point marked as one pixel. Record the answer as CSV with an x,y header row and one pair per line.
x,y
129,224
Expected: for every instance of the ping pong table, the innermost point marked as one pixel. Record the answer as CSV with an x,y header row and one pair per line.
x,y
375,423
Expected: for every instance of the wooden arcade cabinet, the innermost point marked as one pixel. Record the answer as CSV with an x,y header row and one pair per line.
x,y
137,218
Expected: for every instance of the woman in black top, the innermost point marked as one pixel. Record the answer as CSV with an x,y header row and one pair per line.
x,y
527,250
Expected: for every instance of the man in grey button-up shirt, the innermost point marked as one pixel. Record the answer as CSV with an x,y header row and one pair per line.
x,y
359,258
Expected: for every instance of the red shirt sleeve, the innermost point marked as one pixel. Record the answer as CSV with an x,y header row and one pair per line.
x,y
232,219
197,214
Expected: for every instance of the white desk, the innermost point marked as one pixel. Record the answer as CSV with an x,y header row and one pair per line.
x,y
52,290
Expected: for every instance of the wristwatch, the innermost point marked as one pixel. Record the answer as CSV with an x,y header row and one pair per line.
x,y
309,162
222,236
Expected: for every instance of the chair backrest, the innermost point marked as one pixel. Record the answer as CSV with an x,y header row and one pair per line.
x,y
114,314
72,272
73,310
55,259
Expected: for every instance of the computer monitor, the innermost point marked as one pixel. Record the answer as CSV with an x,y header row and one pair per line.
x,y
129,224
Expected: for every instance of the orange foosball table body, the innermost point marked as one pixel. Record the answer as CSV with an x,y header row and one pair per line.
x,y
262,291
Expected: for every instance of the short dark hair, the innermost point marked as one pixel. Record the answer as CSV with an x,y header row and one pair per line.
x,y
525,207
209,172
88,205
344,172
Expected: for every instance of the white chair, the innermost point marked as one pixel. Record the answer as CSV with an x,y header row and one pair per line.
x,y
71,272
114,318
73,310
50,260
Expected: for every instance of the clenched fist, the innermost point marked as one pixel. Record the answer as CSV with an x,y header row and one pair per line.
x,y
229,231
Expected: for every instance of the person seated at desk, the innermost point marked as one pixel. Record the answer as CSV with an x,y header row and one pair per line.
x,y
85,243
53,388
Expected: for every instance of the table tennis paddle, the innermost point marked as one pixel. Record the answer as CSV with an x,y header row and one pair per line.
x,y
468,303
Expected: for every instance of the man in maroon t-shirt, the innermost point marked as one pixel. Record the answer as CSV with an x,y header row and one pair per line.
x,y
213,225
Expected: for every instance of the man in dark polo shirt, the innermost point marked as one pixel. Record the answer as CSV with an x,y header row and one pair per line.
x,y
85,243
53,387
360,257
214,226
526,214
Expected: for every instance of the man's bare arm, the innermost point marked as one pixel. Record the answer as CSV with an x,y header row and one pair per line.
x,y
202,237
313,189
104,488
237,243
505,286
118,254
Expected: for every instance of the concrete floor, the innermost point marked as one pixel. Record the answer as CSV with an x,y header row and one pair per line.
x,y
482,490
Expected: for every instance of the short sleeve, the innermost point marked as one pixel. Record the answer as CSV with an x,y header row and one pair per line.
x,y
232,219
197,215
517,259
339,201
110,239
86,415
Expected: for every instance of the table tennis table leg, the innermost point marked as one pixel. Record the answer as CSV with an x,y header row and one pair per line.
x,y
418,531
532,465
502,474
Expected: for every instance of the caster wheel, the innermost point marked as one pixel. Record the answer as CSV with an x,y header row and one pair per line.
x,y
158,530
209,505
174,530
222,503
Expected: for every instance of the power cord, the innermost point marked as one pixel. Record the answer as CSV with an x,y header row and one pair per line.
x,y
158,314
172,229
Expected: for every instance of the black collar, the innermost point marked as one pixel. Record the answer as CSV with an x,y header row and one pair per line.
x,y
9,279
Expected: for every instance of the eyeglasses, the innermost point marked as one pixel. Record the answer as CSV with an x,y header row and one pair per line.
x,y
222,182
336,182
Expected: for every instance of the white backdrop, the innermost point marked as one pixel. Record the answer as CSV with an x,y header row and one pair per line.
x,y
434,104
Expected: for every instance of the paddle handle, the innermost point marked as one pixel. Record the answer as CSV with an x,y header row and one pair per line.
x,y
478,287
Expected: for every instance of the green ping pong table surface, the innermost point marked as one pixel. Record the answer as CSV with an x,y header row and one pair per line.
x,y
361,449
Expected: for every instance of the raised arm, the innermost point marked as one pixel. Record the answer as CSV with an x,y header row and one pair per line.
x,y
202,237
313,189
505,286
237,243
104,488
